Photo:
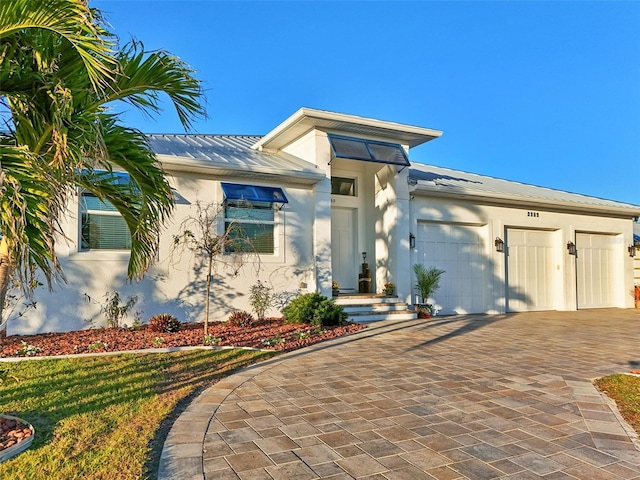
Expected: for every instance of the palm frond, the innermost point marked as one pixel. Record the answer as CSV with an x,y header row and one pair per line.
x,y
31,200
69,20
145,75
145,203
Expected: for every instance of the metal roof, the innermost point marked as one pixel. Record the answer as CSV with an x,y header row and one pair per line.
x,y
234,155
229,154
432,180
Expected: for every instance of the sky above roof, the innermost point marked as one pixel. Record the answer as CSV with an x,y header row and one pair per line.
x,y
546,93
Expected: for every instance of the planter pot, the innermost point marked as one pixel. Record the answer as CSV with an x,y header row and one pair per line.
x,y
423,311
24,442
335,292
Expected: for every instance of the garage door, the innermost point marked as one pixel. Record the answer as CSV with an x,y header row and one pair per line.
x,y
595,270
530,273
459,251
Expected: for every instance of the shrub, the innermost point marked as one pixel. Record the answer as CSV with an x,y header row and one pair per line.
x,y
427,280
315,309
261,298
113,309
164,322
240,318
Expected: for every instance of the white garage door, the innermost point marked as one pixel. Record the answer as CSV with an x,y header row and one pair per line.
x,y
530,273
596,273
459,251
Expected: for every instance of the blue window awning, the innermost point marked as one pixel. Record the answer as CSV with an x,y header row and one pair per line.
x,y
253,193
351,148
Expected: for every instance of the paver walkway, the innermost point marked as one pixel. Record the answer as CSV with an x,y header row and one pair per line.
x,y
476,397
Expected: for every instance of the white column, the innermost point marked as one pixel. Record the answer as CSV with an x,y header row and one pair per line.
x,y
322,237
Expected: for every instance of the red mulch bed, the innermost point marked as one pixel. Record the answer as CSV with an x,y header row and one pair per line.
x,y
260,334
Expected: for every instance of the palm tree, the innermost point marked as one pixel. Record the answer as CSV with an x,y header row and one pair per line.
x,y
60,71
427,280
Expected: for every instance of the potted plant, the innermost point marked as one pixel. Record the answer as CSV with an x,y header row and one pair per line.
x,y
427,282
335,286
389,288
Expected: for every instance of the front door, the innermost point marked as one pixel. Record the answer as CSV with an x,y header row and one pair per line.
x,y
343,252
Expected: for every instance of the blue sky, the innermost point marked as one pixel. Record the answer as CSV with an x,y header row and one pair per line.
x,y
546,93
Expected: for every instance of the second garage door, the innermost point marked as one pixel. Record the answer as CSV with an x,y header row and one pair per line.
x,y
531,275
595,270
459,251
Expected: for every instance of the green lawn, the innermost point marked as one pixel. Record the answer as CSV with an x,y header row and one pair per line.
x,y
99,417
625,390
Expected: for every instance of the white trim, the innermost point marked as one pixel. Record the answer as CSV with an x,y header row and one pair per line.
x,y
306,119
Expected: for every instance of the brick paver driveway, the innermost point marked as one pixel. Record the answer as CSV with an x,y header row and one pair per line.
x,y
474,397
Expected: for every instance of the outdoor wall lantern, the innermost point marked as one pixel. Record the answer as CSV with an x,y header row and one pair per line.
x,y
571,247
632,250
499,245
412,240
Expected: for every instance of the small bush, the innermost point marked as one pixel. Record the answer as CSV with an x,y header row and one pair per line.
x,y
315,309
240,318
164,322
261,298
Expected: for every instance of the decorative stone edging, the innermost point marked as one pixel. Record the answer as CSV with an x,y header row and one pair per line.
x,y
23,441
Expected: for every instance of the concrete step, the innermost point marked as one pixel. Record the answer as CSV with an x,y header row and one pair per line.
x,y
368,299
365,308
367,317
375,307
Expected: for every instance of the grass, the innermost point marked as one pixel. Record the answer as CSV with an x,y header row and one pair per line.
x,y
625,390
101,417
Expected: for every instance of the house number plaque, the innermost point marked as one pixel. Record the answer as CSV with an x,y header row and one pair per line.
x,y
533,214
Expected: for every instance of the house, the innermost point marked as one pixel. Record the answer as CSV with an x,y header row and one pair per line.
x,y
321,192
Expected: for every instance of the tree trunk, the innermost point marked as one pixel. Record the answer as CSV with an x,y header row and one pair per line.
x,y
206,299
5,278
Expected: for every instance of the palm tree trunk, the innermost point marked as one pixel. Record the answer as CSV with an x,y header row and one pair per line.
x,y
5,277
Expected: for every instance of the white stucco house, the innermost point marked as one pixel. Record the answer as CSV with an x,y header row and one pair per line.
x,y
321,188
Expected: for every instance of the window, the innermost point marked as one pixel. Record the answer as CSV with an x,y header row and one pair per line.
x,y
251,226
343,186
367,150
250,216
103,228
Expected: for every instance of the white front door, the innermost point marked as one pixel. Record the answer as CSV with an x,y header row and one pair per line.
x,y
343,251
596,272
530,272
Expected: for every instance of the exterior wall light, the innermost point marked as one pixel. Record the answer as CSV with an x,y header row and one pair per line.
x,y
499,245
571,247
632,250
412,240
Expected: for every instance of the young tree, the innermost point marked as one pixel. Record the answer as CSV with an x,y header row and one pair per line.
x,y
60,69
214,242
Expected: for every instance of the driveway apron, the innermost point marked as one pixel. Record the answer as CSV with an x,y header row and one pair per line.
x,y
478,397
